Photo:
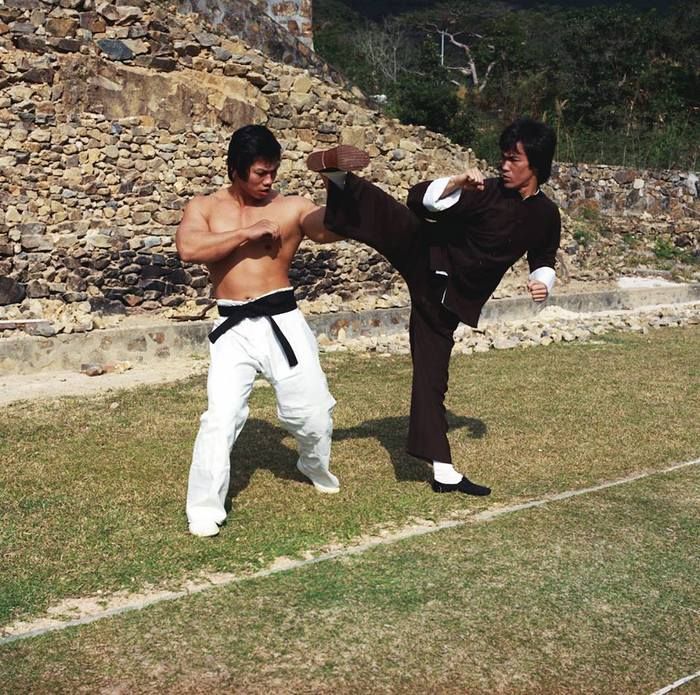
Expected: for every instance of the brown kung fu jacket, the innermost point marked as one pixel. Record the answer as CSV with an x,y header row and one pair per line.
x,y
476,240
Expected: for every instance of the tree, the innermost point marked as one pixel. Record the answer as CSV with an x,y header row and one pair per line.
x,y
425,97
385,50
469,70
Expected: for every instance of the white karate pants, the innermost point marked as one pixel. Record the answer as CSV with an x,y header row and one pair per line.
x,y
304,405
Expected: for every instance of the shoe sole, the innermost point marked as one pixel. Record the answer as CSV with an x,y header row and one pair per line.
x,y
446,489
343,157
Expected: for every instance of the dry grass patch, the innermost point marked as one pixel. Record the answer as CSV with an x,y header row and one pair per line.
x,y
596,594
93,489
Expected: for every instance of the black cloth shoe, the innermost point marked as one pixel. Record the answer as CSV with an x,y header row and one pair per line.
x,y
465,485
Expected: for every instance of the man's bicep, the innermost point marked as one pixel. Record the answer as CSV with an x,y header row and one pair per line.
x,y
192,225
193,218
312,224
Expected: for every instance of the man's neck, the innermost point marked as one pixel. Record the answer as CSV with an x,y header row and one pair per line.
x,y
532,188
244,199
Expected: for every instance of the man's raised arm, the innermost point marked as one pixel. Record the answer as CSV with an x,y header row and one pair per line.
x,y
311,222
196,243
431,197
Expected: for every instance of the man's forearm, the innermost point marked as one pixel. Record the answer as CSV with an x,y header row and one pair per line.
x,y
206,247
441,194
451,186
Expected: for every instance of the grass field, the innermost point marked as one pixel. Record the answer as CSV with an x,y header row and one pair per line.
x,y
592,594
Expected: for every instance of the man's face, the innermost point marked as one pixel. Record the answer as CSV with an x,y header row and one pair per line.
x,y
515,170
261,176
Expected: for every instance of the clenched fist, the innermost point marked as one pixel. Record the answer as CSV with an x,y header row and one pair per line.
x,y
264,228
470,180
538,290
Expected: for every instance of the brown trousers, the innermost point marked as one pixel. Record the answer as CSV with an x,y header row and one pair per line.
x,y
364,212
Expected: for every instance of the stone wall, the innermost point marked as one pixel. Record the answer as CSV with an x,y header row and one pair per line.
x,y
113,116
281,29
626,191
294,15
628,221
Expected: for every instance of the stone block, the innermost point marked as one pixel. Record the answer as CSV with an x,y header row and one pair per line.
x,y
302,84
62,27
115,50
236,113
37,288
11,291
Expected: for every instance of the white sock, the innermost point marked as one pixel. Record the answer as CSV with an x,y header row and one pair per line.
x,y
445,473
337,177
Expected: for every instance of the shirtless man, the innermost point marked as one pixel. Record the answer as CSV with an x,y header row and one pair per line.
x,y
247,234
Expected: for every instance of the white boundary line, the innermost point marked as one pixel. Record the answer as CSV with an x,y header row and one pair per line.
x,y
402,534
677,684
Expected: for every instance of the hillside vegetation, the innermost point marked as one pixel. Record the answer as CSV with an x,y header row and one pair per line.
x,y
620,82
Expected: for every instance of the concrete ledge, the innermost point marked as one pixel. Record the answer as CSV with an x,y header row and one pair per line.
x,y
512,309
148,343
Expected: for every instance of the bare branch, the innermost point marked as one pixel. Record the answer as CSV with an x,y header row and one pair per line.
x,y
470,71
383,48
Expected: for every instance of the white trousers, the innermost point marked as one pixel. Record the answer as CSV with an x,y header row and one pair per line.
x,y
304,405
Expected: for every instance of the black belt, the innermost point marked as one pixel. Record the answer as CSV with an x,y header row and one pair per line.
x,y
267,306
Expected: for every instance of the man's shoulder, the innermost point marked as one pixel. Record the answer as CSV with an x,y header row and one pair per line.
x,y
493,190
548,212
493,186
546,202
205,201
298,201
297,206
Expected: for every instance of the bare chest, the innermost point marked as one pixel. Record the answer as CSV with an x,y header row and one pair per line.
x,y
225,217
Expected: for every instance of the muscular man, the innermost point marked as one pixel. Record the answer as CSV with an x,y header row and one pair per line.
x,y
452,245
246,234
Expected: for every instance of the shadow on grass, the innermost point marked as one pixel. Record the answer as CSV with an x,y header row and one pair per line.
x,y
261,446
391,433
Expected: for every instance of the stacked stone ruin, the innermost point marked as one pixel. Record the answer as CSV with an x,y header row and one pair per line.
x,y
112,116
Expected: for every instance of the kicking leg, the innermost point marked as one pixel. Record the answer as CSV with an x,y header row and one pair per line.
x,y
359,210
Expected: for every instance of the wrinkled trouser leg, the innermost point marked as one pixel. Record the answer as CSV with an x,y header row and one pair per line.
x,y
304,406
304,403
363,212
230,380
431,347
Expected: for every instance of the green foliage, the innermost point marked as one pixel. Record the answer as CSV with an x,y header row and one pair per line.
x,y
427,99
583,235
629,240
618,82
334,40
664,249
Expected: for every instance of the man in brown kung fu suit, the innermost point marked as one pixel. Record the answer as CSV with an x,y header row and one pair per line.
x,y
452,245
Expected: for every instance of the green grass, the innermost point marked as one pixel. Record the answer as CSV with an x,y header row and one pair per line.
x,y
596,594
93,488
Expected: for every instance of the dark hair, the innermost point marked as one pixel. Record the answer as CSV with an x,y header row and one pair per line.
x,y
247,144
539,142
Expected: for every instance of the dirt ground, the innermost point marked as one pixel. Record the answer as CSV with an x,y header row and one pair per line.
x,y
44,385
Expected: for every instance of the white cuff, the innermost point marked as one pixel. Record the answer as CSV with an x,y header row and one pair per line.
x,y
432,200
337,177
545,275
